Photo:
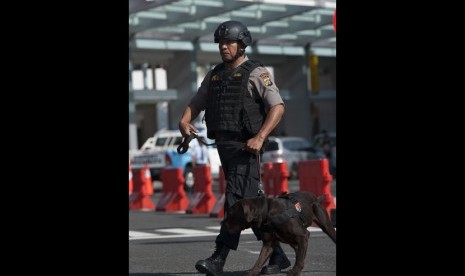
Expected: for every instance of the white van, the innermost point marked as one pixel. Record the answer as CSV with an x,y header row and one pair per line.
x,y
160,151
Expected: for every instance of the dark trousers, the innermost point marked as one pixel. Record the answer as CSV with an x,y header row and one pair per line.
x,y
242,181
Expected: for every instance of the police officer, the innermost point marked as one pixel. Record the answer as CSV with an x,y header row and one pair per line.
x,y
242,106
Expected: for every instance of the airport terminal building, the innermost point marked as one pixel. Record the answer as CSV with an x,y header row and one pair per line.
x,y
171,49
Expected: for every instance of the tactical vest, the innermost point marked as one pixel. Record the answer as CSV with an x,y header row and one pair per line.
x,y
230,107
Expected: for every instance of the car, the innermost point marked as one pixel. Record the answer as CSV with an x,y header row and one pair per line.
x,y
319,145
289,149
160,151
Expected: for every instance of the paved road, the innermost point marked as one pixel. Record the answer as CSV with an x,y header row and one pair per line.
x,y
163,243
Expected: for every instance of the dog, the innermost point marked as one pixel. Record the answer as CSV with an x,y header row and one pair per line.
x,y
283,219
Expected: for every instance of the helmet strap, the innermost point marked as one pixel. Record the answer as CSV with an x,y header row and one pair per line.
x,y
239,53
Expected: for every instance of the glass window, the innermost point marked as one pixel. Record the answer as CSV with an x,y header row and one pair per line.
x,y
296,145
177,141
161,141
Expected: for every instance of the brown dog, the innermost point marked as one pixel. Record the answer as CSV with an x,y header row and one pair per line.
x,y
283,219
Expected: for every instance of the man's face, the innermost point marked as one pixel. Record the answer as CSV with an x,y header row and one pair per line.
x,y
228,49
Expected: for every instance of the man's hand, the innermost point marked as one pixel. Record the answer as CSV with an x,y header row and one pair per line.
x,y
255,144
272,119
186,129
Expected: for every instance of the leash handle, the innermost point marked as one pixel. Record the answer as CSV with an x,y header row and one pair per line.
x,y
184,146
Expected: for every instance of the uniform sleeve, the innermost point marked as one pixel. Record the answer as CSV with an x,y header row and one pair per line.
x,y
263,83
199,100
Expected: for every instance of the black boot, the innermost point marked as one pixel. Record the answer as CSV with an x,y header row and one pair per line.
x,y
278,261
213,266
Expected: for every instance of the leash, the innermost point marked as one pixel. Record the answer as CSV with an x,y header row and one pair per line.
x,y
261,192
184,146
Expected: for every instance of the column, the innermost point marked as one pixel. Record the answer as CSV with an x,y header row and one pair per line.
x,y
132,114
161,83
313,87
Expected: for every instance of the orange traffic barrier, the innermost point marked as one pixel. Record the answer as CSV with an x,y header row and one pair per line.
x,y
280,176
173,196
203,199
268,175
131,183
140,199
314,177
218,209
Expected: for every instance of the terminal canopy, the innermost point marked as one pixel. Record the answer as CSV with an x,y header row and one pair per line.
x,y
275,25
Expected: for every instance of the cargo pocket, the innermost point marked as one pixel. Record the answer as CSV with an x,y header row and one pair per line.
x,y
244,182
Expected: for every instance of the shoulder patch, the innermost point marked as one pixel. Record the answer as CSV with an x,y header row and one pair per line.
x,y
266,79
215,78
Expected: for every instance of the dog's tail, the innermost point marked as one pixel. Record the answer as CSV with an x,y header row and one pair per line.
x,y
322,218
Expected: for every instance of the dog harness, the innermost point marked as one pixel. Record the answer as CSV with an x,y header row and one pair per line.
x,y
294,209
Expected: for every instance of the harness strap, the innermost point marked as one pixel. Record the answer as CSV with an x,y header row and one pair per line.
x,y
291,212
296,209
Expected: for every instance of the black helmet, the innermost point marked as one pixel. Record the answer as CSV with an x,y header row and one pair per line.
x,y
233,30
